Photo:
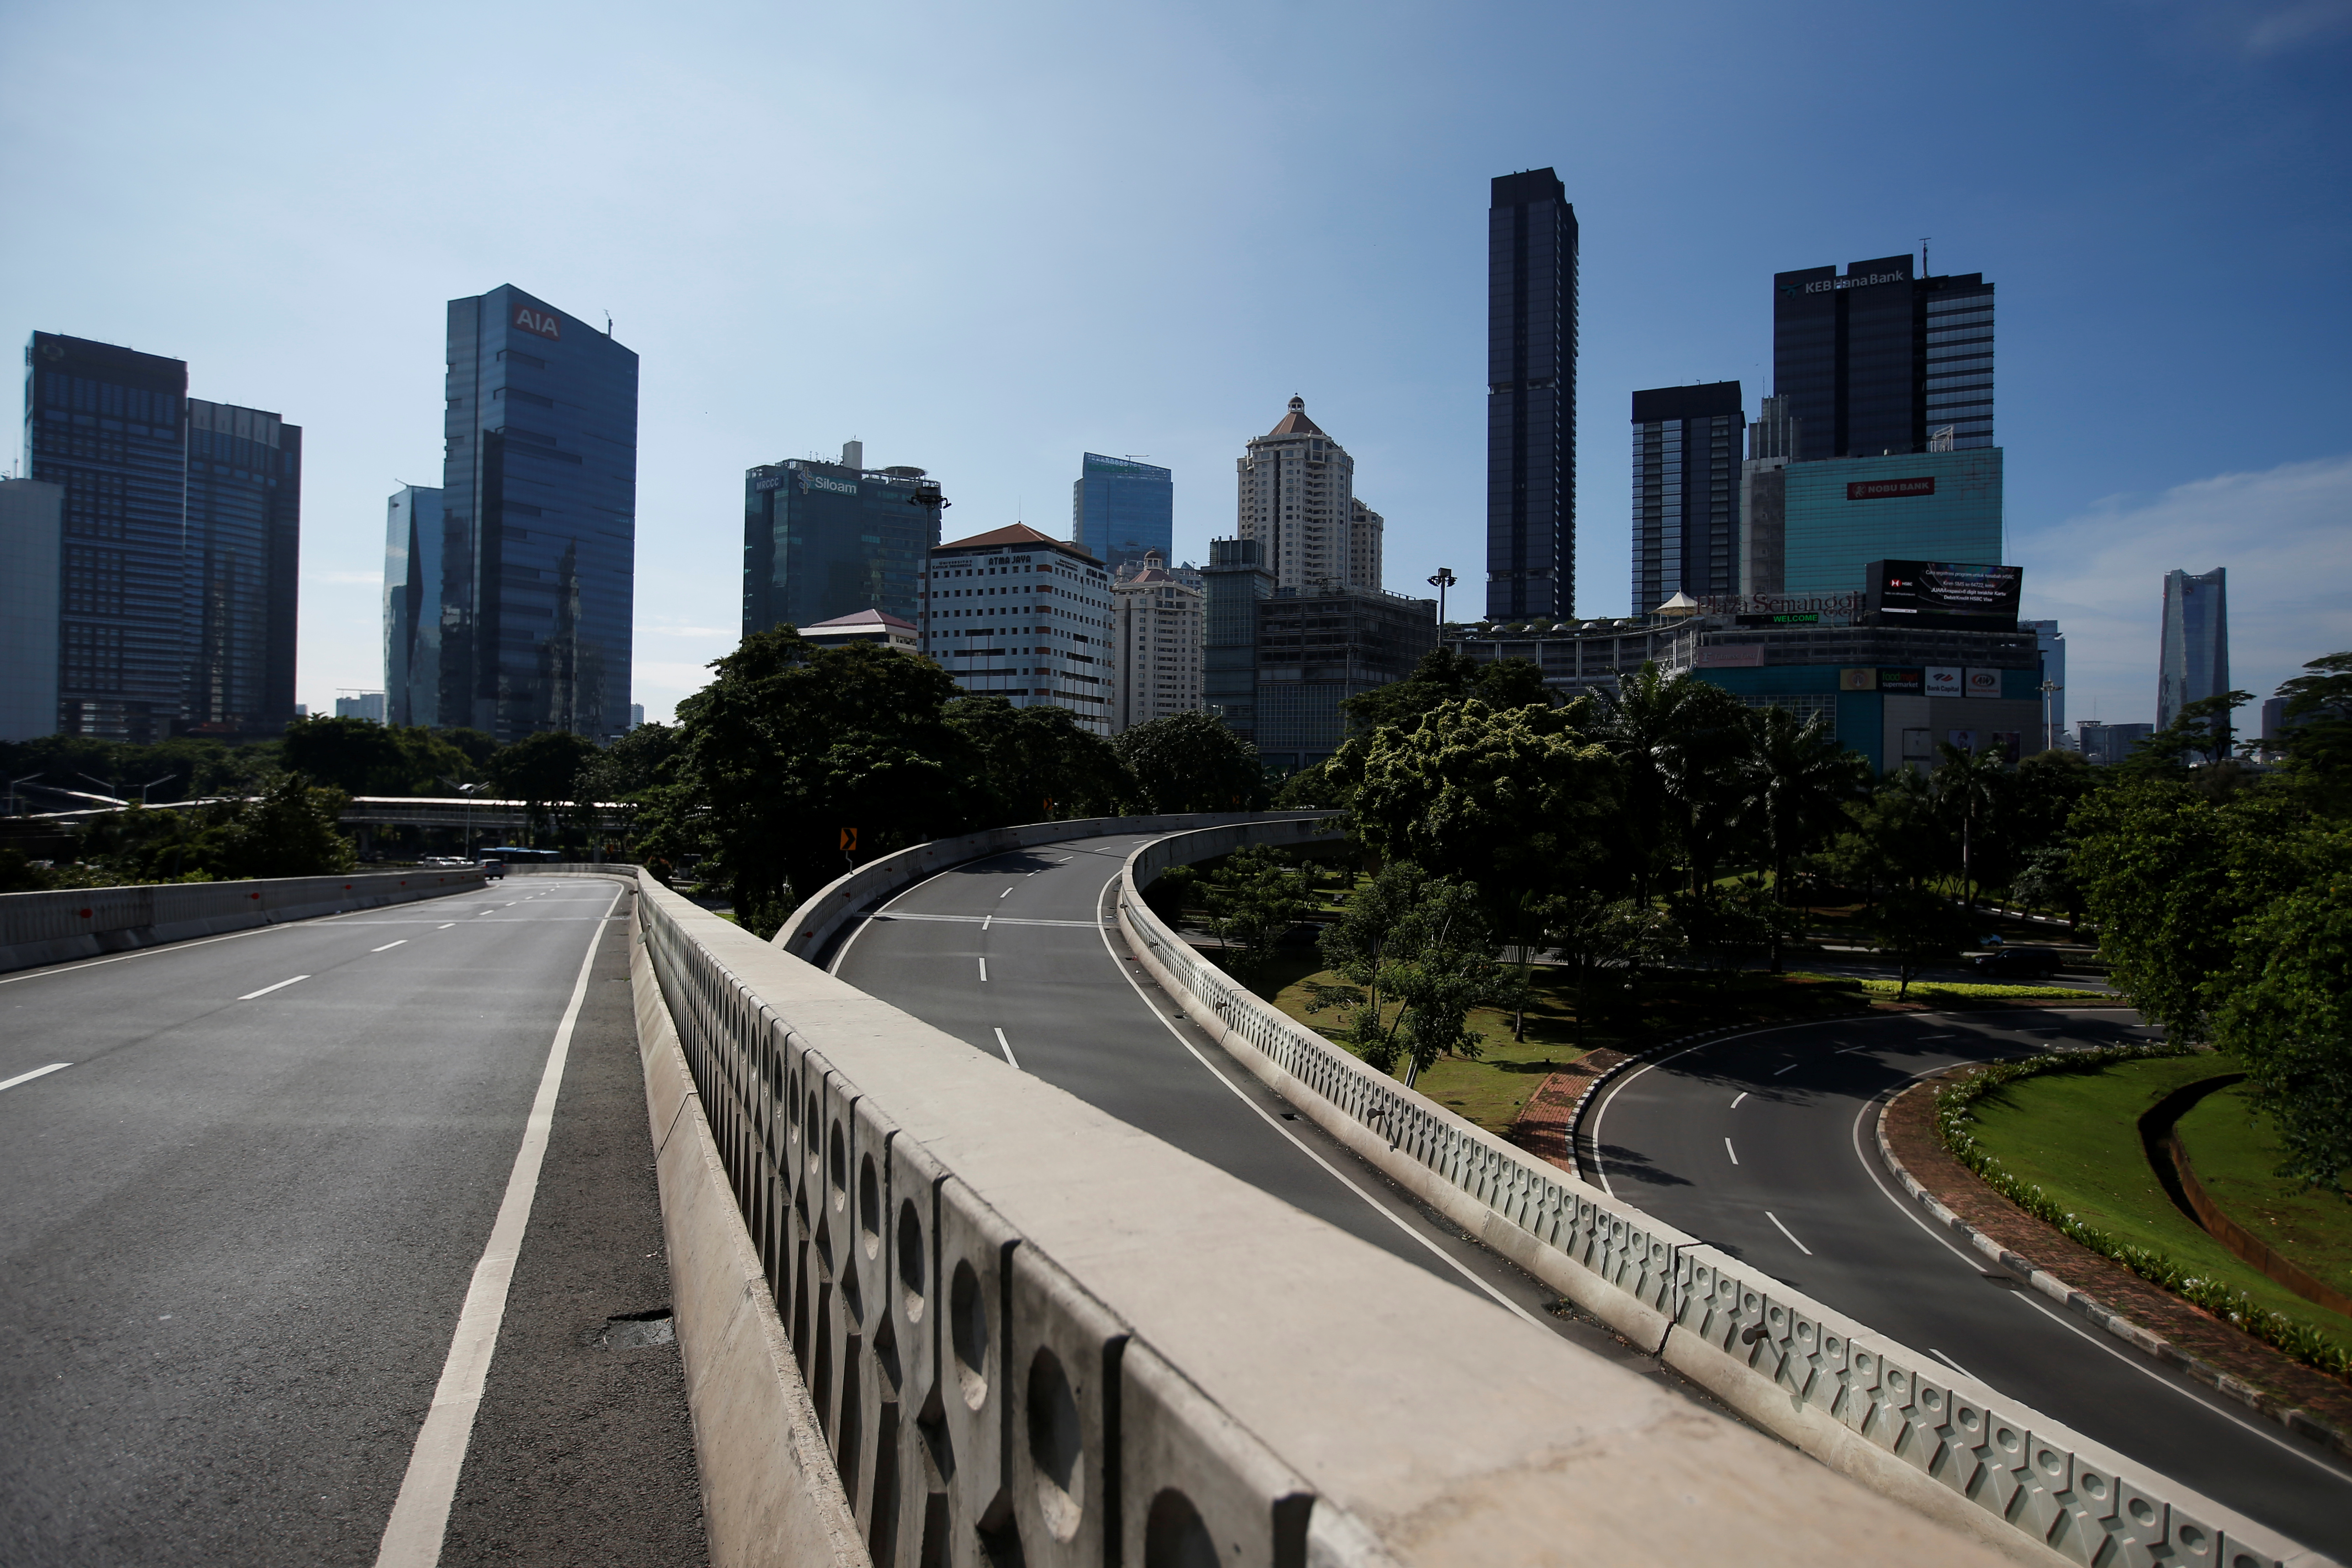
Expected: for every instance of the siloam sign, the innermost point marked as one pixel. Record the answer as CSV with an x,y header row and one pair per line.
x,y
546,323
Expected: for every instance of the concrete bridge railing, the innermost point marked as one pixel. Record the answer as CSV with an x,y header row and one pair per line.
x,y
1896,1420
1004,1327
83,922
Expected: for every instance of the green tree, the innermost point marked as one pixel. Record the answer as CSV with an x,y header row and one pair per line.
x,y
1971,789
791,744
1191,762
1036,764
1679,742
1796,782
475,746
1255,900
1603,942
1417,954
1893,838
1446,676
2167,875
289,830
2317,737
2288,1016
360,756
1916,928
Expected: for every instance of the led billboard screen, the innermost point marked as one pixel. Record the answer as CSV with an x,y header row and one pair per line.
x,y
1945,593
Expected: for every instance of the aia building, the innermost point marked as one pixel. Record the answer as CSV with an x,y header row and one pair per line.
x,y
538,515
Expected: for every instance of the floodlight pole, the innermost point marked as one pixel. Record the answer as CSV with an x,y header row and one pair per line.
x,y
2049,734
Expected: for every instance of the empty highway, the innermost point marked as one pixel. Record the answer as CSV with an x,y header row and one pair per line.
x,y
1762,1144
245,1183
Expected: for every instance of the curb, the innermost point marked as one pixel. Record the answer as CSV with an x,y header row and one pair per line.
x,y
2154,1346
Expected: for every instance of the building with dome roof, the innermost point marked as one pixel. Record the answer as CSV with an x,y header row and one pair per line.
x,y
1298,504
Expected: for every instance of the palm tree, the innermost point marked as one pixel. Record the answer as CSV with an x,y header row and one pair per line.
x,y
1680,741
1796,781
1968,788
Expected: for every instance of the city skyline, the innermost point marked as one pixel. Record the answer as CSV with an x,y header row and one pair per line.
x,y
2117,171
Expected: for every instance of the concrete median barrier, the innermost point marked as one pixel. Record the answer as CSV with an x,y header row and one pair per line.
x,y
68,923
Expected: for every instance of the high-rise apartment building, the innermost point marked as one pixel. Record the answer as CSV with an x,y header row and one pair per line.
x,y
825,540
2194,661
1299,503
180,549
1685,492
415,554
1159,622
1122,509
1531,240
2109,745
1012,613
1763,499
1878,361
539,493
32,541
241,562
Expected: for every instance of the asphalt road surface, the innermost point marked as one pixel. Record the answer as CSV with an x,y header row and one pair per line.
x,y
238,1223
1018,956
1762,1145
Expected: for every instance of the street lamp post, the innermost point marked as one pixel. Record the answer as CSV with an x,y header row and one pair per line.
x,y
1444,580
2048,732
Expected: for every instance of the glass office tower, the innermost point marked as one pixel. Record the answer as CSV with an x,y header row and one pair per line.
x,y
2194,659
1879,361
107,425
1121,511
1685,492
821,540
538,487
1531,239
242,556
415,548
1839,517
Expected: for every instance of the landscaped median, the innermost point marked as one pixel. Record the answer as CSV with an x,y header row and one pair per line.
x,y
2044,1161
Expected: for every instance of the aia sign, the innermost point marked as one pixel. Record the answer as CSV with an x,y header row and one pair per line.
x,y
546,323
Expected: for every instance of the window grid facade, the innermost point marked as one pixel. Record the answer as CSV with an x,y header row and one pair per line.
x,y
1685,492
1531,348
1159,627
1297,501
822,540
1122,509
1015,614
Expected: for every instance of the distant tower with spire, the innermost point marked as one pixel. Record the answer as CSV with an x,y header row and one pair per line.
x,y
1299,503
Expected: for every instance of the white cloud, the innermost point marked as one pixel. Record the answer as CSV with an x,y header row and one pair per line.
x,y
2285,536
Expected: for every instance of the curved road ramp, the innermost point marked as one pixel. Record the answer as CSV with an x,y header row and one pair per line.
x,y
83,922
935,1311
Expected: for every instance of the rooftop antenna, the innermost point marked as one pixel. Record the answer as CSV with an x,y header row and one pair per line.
x,y
608,324
1923,256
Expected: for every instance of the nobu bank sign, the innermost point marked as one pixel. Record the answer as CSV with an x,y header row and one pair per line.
x,y
546,323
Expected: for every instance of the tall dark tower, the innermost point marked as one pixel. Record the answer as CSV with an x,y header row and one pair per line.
x,y
1530,398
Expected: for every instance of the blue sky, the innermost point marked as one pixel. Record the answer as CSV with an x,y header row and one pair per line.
x,y
985,239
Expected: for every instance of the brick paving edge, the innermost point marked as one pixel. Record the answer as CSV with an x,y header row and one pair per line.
x,y
2154,1346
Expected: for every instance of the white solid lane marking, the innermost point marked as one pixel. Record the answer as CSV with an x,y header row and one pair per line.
x,y
1955,1367
445,926
1792,1066
983,971
1743,1095
387,947
1332,1171
1730,1150
268,989
36,1072
1005,894
1002,1046
420,1516
1784,1230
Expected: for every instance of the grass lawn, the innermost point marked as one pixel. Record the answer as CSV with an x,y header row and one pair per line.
x,y
1933,990
2234,1152
2075,1136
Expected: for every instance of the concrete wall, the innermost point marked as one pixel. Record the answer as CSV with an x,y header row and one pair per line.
x,y
1895,1420
83,922
1027,1332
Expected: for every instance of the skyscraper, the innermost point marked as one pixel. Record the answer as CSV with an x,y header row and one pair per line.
x,y
2193,663
32,536
414,553
1763,499
1299,503
1159,640
241,561
538,487
1879,361
182,538
1686,506
825,540
1235,585
1530,398
1122,509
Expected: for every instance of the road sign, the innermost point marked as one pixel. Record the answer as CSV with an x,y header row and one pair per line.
x,y
849,840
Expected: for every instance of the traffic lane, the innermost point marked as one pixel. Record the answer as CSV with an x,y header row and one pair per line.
x,y
1801,1205
125,996
1048,991
234,1254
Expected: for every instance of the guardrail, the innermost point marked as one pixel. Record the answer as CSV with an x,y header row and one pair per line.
x,y
1030,1333
1896,1420
81,923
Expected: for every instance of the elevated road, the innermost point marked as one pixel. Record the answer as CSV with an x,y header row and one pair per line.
x,y
245,1183
1762,1144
